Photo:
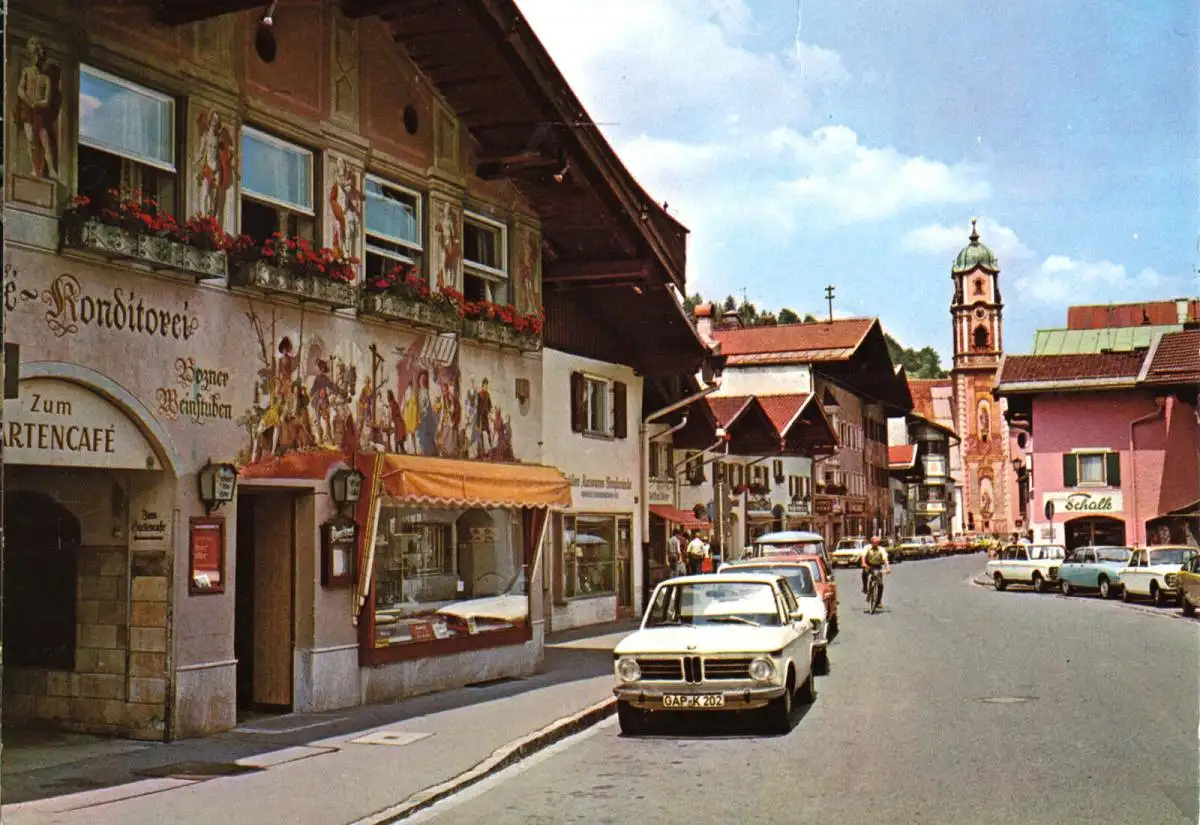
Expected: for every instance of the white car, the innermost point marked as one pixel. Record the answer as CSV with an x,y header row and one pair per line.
x,y
799,576
1153,573
849,552
1035,565
732,642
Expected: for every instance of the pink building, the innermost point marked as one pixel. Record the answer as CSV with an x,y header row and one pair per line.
x,y
1106,446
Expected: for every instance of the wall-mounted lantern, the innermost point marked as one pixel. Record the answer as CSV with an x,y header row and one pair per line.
x,y
218,485
345,487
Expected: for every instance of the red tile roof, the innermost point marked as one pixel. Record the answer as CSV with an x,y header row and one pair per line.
x,y
726,408
1019,369
1176,359
922,395
815,341
1129,315
902,456
782,409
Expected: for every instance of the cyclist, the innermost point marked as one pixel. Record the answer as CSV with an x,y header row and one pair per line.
x,y
874,559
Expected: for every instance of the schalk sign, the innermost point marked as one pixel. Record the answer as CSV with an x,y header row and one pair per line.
x,y
1075,503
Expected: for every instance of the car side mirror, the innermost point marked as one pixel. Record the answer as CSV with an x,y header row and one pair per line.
x,y
797,616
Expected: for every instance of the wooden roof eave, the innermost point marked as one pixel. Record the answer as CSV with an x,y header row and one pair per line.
x,y
183,12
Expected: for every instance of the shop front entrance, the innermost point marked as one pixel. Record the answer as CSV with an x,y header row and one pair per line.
x,y
263,616
1095,531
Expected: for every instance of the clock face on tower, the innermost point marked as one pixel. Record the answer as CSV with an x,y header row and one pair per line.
x,y
979,313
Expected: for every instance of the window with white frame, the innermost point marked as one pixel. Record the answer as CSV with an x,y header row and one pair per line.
x,y
277,187
485,259
393,227
126,140
1092,468
597,406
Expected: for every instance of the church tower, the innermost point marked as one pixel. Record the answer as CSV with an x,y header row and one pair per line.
x,y
977,312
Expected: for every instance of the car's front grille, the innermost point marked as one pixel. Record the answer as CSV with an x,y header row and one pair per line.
x,y
716,669
1053,571
661,670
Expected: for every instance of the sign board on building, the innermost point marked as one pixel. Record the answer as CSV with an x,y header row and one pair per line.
x,y
759,505
1073,503
595,487
823,505
856,507
661,492
798,508
61,424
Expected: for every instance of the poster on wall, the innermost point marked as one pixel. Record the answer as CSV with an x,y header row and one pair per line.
x,y
339,541
206,556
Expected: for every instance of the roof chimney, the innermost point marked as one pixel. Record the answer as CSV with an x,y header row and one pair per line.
x,y
704,323
1181,310
731,320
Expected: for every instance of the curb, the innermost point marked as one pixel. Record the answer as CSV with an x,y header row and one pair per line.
x,y
503,757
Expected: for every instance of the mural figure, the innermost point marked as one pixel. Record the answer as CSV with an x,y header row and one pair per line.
x,y
345,206
985,497
39,102
449,246
527,273
214,164
985,419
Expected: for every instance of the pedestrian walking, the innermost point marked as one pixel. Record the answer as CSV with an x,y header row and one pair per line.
x,y
695,553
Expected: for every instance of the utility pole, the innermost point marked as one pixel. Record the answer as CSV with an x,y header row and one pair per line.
x,y
829,290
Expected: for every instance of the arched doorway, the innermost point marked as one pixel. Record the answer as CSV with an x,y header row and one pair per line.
x,y
40,573
1094,531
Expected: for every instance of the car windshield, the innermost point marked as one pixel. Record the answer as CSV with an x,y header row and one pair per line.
x,y
848,544
1118,554
1173,555
714,602
798,575
814,568
787,549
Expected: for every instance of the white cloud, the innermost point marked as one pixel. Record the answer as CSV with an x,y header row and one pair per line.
x,y
1060,279
945,241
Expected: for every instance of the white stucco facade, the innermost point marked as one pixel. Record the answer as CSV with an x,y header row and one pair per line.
x,y
604,524
771,380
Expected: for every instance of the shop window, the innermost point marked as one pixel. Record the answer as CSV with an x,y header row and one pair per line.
x,y
126,140
1092,469
588,558
445,574
277,188
485,260
660,460
393,227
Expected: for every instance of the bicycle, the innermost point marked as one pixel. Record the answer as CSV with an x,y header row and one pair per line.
x,y
874,590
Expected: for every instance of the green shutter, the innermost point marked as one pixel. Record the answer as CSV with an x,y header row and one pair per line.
x,y
1112,475
1070,470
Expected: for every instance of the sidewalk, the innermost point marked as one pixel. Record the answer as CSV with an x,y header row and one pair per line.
x,y
338,767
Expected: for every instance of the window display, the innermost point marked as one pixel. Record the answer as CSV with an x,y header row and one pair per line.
x,y
440,574
588,544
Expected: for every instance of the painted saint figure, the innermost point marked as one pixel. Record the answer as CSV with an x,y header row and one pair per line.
x,y
345,203
39,100
214,164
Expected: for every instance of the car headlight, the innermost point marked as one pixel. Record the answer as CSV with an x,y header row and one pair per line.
x,y
762,669
1170,579
628,670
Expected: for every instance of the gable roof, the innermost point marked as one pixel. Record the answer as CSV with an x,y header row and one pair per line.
x,y
1101,316
1026,373
1175,359
922,395
783,409
794,343
902,456
728,408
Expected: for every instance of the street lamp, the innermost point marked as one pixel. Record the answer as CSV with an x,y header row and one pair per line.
x,y
218,484
345,487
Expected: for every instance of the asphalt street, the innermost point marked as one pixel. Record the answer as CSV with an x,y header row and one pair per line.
x,y
955,705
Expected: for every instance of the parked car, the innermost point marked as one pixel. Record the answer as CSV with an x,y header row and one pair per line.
x,y
849,552
913,547
1153,573
1094,568
826,587
799,576
1189,586
733,642
790,542
1035,565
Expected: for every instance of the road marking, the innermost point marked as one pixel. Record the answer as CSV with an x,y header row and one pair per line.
x,y
294,729
499,778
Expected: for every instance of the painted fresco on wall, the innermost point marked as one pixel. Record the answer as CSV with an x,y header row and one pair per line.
x,y
38,110
214,164
312,396
984,419
447,244
344,216
529,270
987,493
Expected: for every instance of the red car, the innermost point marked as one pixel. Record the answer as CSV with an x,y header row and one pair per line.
x,y
826,586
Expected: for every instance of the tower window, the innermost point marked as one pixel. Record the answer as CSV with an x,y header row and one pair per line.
x,y
979,338
979,286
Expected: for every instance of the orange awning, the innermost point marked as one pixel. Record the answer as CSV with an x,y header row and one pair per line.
x,y
448,482
681,517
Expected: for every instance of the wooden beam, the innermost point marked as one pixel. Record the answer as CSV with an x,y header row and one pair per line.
x,y
180,12
632,268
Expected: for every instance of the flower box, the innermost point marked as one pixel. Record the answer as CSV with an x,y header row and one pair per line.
x,y
412,311
500,334
155,251
280,281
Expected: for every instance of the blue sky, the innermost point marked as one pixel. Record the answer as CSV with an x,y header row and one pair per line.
x,y
849,142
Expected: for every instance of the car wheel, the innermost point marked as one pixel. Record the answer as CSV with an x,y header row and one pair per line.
x,y
1189,609
1039,585
821,662
632,720
1105,588
1156,593
808,691
1000,583
1126,595
779,711
1065,586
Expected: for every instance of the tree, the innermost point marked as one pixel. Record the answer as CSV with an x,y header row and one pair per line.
x,y
730,304
690,304
810,318
787,316
922,363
